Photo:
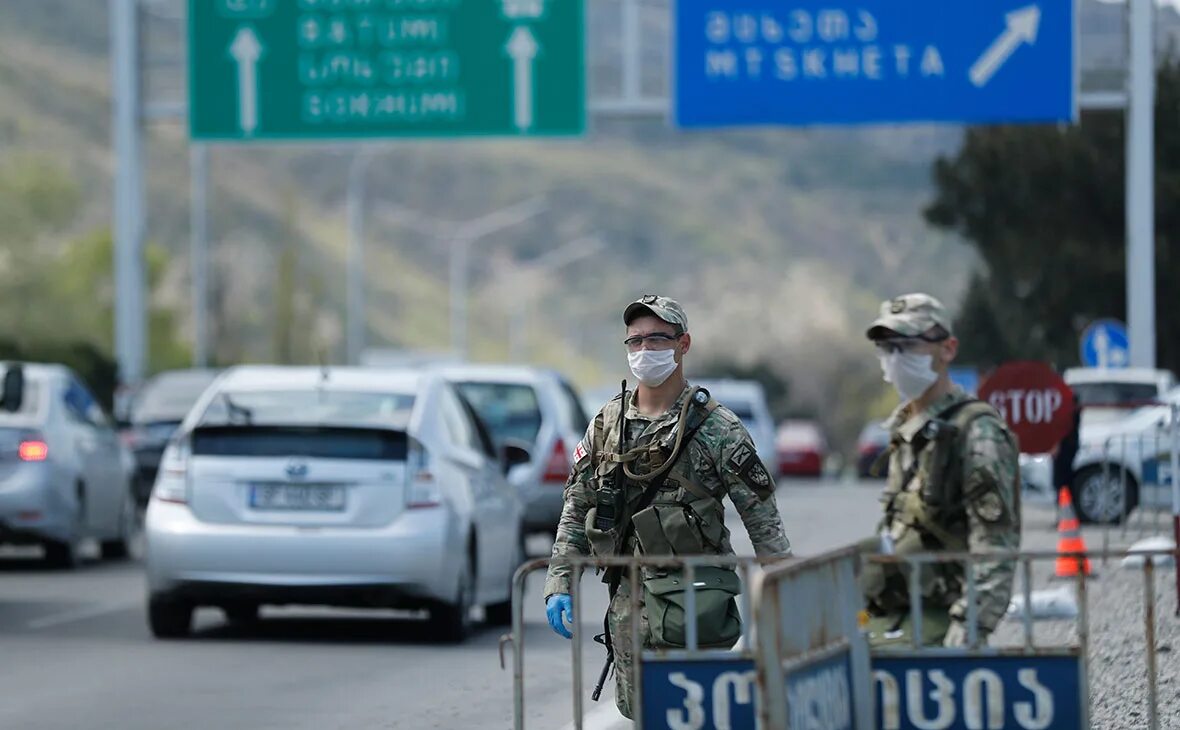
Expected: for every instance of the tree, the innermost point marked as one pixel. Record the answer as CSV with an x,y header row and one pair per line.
x,y
1044,207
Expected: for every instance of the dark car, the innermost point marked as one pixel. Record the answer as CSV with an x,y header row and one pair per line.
x,y
156,410
873,442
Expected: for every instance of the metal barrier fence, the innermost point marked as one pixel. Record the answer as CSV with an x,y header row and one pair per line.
x,y
983,676
579,565
796,619
1150,457
813,660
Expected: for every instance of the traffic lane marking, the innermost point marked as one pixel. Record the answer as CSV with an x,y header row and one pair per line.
x,y
79,614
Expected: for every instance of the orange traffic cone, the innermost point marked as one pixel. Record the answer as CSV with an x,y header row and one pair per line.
x,y
1069,541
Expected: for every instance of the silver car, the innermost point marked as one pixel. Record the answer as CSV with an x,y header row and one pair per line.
x,y
64,476
336,486
534,409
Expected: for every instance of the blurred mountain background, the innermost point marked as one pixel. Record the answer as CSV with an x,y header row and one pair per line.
x,y
780,243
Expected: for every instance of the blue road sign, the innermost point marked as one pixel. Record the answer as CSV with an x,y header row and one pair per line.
x,y
819,694
1158,471
722,693
768,62
700,693
956,693
1105,345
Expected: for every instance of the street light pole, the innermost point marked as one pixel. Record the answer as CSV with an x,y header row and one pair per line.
x,y
570,253
466,236
199,251
1140,130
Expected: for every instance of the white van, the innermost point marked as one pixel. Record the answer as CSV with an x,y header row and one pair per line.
x,y
747,400
1109,394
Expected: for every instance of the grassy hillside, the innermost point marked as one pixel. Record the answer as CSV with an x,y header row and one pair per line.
x,y
779,242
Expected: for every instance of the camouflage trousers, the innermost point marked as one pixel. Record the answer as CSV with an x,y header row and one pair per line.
x,y
897,629
619,620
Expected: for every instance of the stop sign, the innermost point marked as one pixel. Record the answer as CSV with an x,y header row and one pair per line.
x,y
1034,400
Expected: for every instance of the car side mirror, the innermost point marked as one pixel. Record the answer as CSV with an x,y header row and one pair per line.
x,y
513,455
12,392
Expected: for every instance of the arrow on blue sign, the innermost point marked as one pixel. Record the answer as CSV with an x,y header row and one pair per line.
x,y
1022,28
1105,345
843,62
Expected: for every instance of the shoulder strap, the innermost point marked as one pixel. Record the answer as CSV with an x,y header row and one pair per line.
x,y
697,417
700,413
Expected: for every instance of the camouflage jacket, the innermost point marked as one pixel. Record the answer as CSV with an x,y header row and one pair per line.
x,y
721,456
984,517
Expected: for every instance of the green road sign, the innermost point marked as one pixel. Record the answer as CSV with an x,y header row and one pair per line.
x,y
322,69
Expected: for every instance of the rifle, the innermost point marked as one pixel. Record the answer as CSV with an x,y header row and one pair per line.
x,y
601,522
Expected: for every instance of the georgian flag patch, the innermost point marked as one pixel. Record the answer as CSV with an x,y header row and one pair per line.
x,y
580,452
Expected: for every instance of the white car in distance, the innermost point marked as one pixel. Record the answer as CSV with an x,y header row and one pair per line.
x,y
333,486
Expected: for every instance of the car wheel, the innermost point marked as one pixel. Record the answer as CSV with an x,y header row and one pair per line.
x,y
1100,497
245,614
169,619
500,614
120,548
63,555
451,622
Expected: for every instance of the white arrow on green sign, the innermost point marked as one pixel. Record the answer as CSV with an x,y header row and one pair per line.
x,y
322,69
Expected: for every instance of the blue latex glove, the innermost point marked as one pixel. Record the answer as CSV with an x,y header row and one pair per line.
x,y
557,605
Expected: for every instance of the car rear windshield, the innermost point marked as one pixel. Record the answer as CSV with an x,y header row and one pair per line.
x,y
510,411
1115,394
576,418
30,406
313,442
309,407
168,398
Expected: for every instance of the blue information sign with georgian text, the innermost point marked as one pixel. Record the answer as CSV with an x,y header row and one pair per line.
x,y
804,62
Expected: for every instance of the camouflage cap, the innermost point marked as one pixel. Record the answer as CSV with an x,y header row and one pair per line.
x,y
910,315
663,308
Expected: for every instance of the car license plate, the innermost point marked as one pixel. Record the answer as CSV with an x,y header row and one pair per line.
x,y
297,497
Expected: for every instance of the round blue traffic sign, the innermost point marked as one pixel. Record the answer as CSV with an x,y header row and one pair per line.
x,y
1105,345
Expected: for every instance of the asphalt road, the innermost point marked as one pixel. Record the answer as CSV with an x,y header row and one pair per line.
x,y
75,651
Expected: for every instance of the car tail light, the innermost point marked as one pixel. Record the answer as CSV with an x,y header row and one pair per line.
x,y
557,469
422,488
33,450
172,483
131,437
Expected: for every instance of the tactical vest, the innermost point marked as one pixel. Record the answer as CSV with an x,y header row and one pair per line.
x,y
684,517
935,516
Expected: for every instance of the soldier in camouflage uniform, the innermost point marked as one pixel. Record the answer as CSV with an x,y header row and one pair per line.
x,y
953,484
686,515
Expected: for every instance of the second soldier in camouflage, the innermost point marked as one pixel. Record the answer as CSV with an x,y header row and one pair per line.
x,y
953,484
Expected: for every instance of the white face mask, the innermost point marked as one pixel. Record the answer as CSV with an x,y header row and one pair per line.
x,y
652,367
911,374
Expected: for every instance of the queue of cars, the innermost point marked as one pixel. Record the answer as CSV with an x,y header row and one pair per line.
x,y
409,487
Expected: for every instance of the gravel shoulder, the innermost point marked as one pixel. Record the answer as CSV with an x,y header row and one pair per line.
x,y
1115,600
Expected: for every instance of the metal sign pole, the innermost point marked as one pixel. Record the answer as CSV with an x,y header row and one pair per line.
x,y
130,318
1140,130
